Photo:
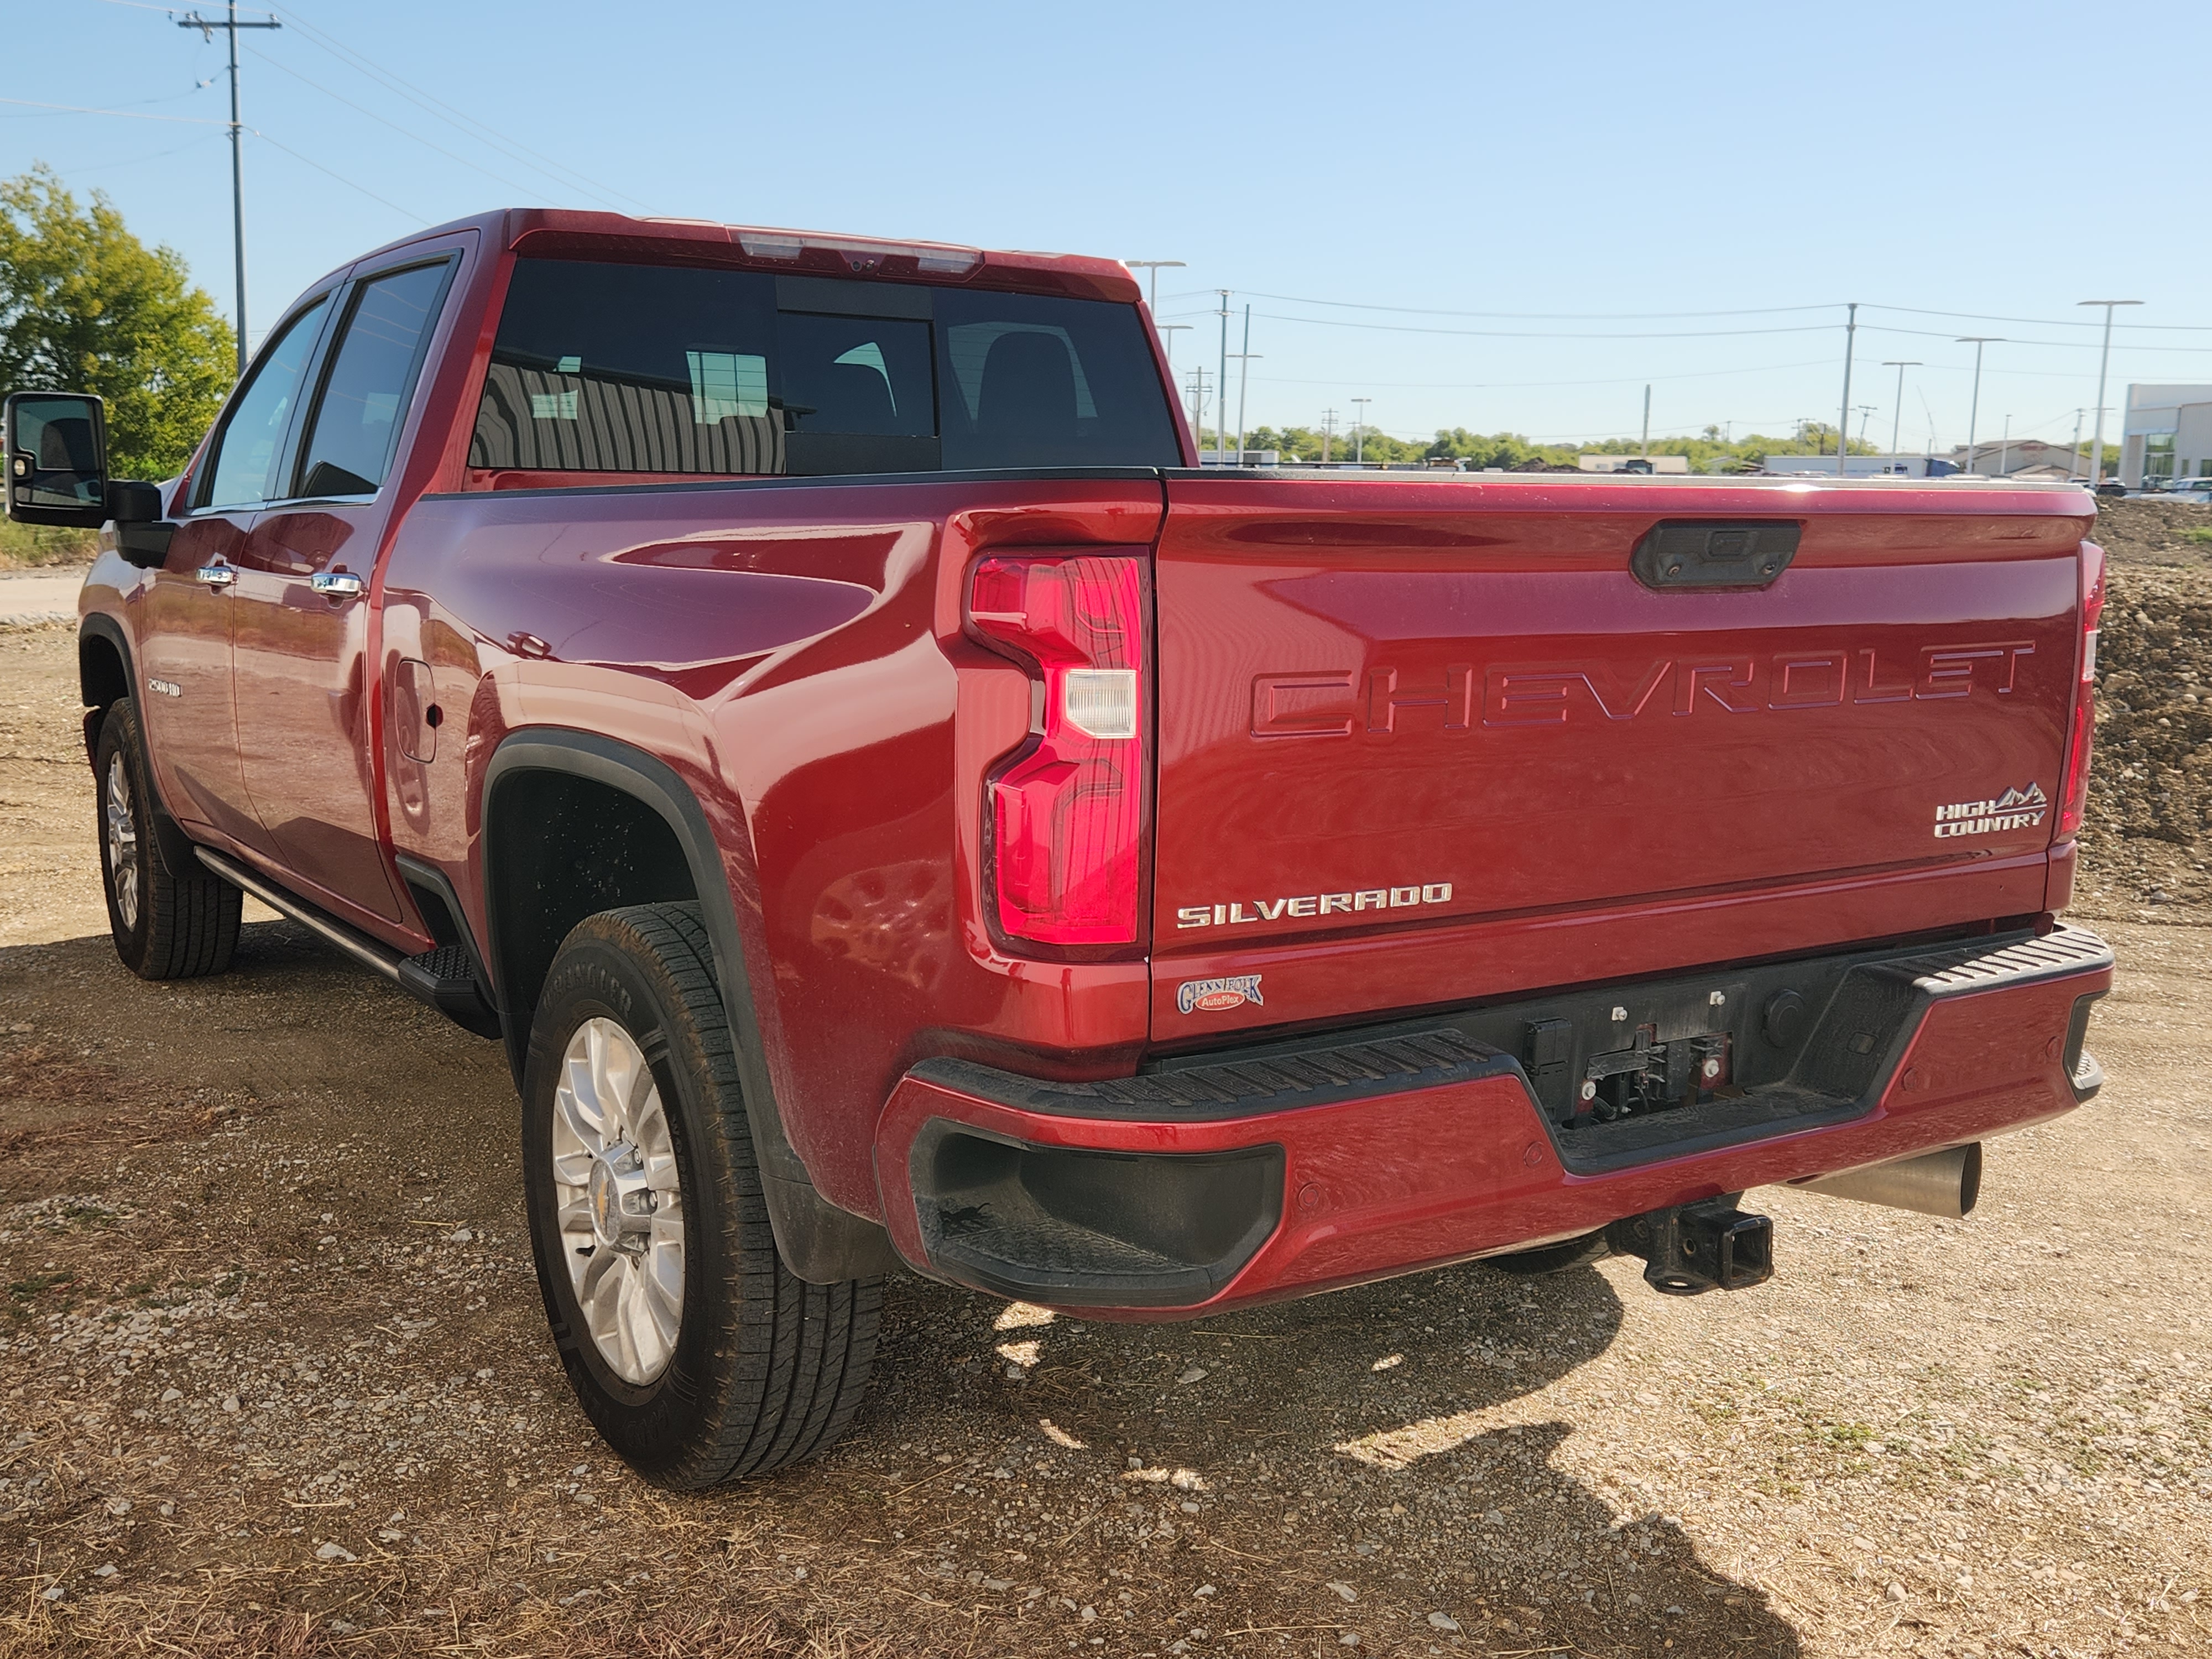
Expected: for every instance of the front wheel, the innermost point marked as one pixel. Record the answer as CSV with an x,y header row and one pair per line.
x,y
166,924
692,1349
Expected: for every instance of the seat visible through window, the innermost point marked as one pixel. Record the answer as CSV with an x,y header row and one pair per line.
x,y
1029,391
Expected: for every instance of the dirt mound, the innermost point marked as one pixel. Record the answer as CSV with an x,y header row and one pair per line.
x,y
2150,793
2139,531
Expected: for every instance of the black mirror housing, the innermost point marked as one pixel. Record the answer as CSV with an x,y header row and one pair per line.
x,y
57,458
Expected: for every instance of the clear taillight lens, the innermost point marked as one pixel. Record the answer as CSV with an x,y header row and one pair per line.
x,y
2075,794
1066,812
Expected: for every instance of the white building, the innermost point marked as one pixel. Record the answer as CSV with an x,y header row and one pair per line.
x,y
1640,463
2167,434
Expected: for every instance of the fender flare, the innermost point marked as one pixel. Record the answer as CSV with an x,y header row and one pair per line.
x,y
171,844
820,1242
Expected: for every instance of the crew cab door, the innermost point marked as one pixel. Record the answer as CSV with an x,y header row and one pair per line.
x,y
301,645
186,703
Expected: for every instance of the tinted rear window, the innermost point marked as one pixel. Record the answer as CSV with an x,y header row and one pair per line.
x,y
601,368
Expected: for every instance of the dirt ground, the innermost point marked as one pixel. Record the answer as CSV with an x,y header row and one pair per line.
x,y
274,1378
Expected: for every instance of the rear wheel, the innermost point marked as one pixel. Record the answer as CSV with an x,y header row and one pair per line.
x,y
166,924
693,1350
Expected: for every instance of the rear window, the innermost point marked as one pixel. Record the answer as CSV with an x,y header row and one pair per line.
x,y
601,368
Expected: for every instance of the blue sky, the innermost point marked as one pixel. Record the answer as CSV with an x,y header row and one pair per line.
x,y
1532,185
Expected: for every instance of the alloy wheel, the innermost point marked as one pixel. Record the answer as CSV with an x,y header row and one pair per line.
x,y
619,1199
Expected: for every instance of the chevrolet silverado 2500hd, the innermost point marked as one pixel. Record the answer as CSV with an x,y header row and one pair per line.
x,y
801,695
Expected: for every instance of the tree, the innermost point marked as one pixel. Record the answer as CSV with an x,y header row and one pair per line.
x,y
86,306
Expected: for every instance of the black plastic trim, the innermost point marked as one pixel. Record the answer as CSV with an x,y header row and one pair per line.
x,y
171,845
1085,1227
819,1241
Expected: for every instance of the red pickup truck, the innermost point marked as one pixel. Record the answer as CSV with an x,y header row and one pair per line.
x,y
801,696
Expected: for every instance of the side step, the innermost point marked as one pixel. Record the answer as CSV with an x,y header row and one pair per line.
x,y
445,978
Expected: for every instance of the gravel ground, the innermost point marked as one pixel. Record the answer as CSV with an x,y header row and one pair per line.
x,y
273,1376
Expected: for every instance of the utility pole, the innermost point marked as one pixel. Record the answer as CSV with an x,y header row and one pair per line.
x,y
1155,266
1866,413
1897,416
1844,427
1198,401
2104,361
1974,409
1647,423
2004,450
1359,431
230,26
1327,432
2073,461
1221,381
1244,382
1167,333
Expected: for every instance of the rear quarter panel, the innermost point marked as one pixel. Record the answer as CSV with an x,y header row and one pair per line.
x,y
794,651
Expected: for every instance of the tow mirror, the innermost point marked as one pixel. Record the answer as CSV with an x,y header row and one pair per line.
x,y
57,447
142,535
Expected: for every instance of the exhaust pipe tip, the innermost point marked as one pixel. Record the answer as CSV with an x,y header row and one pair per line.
x,y
1946,1183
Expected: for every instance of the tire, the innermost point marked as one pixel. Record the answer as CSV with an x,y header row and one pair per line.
x,y
747,1368
1584,1252
179,925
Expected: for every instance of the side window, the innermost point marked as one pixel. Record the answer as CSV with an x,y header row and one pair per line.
x,y
243,470
349,440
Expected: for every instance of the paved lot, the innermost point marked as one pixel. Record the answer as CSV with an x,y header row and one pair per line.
x,y
273,1379
41,597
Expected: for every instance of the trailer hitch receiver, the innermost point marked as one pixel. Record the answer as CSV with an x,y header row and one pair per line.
x,y
1713,1246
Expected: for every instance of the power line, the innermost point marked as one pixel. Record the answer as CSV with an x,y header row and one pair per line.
x,y
127,114
406,213
1538,316
468,125
1547,334
230,25
395,126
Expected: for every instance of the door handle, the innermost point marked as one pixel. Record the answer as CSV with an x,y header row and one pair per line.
x,y
337,584
216,574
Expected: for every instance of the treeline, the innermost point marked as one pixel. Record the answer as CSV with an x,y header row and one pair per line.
x,y
1708,453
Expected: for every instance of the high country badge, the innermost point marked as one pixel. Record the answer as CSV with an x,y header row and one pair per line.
x,y
1212,996
2016,809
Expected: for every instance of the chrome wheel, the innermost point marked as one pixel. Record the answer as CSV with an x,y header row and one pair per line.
x,y
122,843
619,1199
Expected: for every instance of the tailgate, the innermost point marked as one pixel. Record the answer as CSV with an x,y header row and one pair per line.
x,y
1397,704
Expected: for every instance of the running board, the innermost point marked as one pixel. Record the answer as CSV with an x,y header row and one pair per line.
x,y
440,977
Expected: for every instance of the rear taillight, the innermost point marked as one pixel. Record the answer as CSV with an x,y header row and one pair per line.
x,y
1066,812
2075,794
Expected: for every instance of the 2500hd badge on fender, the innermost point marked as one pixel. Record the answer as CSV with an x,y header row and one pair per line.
x,y
801,697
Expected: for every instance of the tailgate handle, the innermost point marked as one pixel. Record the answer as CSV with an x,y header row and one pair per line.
x,y
1716,553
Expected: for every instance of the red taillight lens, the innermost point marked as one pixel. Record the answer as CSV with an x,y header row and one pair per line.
x,y
2076,795
1066,813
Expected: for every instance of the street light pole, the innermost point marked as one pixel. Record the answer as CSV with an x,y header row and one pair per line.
x,y
1155,266
2004,449
230,26
1244,382
1359,431
1974,409
1843,425
2104,361
1897,417
1221,381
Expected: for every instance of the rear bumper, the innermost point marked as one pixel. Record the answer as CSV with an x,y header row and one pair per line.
x,y
1239,1178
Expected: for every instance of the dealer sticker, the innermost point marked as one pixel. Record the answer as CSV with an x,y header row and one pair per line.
x,y
1214,996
